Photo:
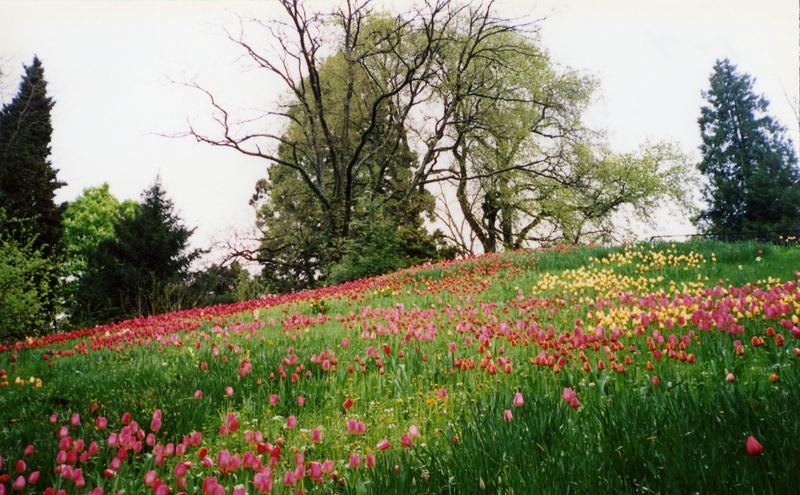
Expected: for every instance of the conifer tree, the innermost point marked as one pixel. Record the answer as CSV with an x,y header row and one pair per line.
x,y
753,178
28,180
143,269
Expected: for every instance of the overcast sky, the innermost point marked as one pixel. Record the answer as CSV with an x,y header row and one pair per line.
x,y
110,65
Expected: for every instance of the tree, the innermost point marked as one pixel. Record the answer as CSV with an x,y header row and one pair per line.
x,y
89,220
385,72
526,169
753,182
222,284
28,180
297,248
143,269
24,288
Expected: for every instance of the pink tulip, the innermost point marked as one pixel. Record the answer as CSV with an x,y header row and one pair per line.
x,y
730,378
101,422
28,450
413,432
291,422
369,461
229,391
301,400
316,435
155,423
245,368
273,400
198,394
383,444
406,441
315,470
507,416
519,400
33,478
262,481
19,483
75,420
150,478
355,460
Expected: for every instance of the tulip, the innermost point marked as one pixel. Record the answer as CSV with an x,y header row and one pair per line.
x,y
150,478
19,483
507,416
383,444
33,478
262,481
347,404
355,460
730,378
273,400
316,435
752,446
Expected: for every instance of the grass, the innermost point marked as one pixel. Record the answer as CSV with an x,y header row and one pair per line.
x,y
445,348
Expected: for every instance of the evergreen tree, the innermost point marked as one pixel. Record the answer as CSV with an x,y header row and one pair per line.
x,y
27,178
753,178
143,269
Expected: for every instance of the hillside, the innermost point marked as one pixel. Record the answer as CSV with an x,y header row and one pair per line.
x,y
634,369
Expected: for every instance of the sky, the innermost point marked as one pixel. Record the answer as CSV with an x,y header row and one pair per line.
x,y
114,70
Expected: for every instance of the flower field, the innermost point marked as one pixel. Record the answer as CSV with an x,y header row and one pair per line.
x,y
663,368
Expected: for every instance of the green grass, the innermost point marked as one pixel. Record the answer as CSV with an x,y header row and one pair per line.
x,y
684,435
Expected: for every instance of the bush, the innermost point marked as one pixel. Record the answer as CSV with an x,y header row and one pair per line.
x,y
24,288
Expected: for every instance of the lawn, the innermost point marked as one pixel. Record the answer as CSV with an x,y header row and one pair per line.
x,y
645,368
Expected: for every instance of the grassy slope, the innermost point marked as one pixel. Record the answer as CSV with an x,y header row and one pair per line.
x,y
684,435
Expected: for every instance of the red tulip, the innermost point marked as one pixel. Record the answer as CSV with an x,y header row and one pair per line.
x,y
752,446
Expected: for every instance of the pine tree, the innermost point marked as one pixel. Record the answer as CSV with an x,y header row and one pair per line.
x,y
143,269
753,178
28,180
